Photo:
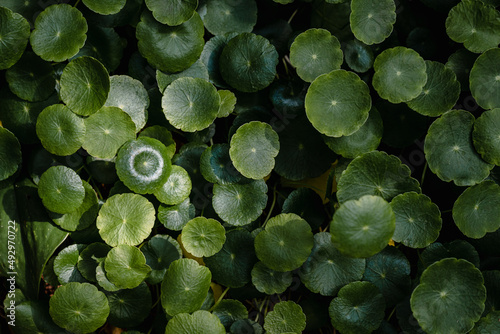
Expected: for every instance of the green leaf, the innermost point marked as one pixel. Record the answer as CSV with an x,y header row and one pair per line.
x,y
183,42
10,154
327,269
105,7
372,21
224,16
477,210
475,24
232,266
492,284
130,96
286,317
33,317
84,85
484,79
461,63
211,54
248,62
253,149
217,167
486,136
60,32
197,70
315,52
176,217
160,251
61,189
60,131
203,237
240,204
31,78
185,287
177,187
143,164
375,173
459,249
190,104
337,104
358,308
358,56
440,93
229,311
126,266
450,152
270,281
103,280
129,307
362,228
286,242
172,12
400,74
79,307
227,103
90,258
14,32
488,324
449,298
125,219
162,134
65,264
200,322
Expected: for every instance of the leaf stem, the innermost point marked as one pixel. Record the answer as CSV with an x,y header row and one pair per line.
x,y
272,207
76,3
423,173
219,300
390,315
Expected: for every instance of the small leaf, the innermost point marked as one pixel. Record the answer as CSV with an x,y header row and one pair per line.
x,y
126,267
225,16
372,21
177,187
129,307
172,12
200,322
358,56
203,237
286,317
90,258
269,281
61,189
15,32
160,251
229,310
176,217
65,264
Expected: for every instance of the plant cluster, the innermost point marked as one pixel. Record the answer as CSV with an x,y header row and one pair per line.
x,y
250,166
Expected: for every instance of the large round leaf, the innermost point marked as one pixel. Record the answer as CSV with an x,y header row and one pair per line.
x,y
203,237
315,52
84,85
190,104
200,322
440,92
450,152
224,16
286,317
79,307
183,42
240,204
10,153
106,131
485,79
160,251
477,210
375,173
172,12
327,270
486,136
66,264
106,7
362,228
337,104
253,149
372,21
475,24
61,189
14,32
450,297
269,281
185,287
400,74
248,62
143,164
60,32
418,220
358,308
129,307
125,219
126,267
60,131
176,217
286,242
130,96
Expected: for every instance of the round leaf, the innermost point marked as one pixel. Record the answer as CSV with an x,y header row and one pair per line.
x,y
90,258
176,217
65,264
61,189
14,32
286,242
286,317
125,219
185,287
79,307
400,74
269,281
248,62
225,16
211,54
160,251
172,12
105,7
358,308
452,304
200,322
358,56
362,228
486,136
315,52
485,79
129,307
203,237
126,267
450,152
190,104
338,103
253,149
227,103
10,153
176,189
60,131
477,210
60,32
217,167
372,21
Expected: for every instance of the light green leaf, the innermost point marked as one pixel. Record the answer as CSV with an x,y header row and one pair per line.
x,y
65,264
126,267
203,237
176,189
176,217
286,317
200,322
61,189
372,21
